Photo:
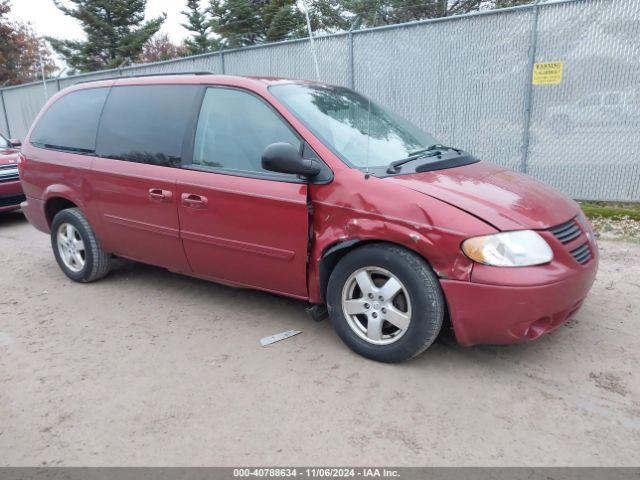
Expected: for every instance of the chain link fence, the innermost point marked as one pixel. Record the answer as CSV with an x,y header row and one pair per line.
x,y
468,80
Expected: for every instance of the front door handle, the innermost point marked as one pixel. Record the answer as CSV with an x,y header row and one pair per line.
x,y
192,200
160,195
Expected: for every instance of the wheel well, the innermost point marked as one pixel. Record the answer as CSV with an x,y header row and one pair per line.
x,y
335,252
55,205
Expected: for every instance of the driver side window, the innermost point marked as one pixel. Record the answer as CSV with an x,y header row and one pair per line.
x,y
234,128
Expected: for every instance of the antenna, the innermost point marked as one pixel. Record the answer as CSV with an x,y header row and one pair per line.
x,y
44,81
366,175
311,39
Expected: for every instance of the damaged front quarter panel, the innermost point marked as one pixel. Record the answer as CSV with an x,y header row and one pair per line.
x,y
354,209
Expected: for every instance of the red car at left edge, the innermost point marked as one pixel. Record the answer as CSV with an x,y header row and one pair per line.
x,y
10,189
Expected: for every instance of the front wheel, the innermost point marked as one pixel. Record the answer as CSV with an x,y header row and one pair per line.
x,y
385,302
76,247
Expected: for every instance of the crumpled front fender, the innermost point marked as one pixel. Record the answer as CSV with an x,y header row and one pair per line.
x,y
353,210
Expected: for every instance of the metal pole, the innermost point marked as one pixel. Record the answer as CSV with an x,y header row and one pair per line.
x,y
352,80
311,40
44,82
222,61
4,112
533,40
351,72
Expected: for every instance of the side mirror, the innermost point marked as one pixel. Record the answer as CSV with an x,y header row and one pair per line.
x,y
15,143
285,158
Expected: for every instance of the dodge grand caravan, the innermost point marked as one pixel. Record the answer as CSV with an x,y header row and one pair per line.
x,y
310,191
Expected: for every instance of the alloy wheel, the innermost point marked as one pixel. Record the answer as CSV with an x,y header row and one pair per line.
x,y
376,305
71,247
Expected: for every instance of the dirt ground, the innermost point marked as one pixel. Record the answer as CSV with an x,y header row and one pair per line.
x,y
151,368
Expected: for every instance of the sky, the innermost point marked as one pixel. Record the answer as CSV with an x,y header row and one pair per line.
x,y
47,20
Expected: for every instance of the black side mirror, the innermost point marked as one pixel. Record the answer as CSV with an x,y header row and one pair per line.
x,y
15,142
285,158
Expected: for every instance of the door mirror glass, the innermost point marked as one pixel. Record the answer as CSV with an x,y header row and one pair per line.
x,y
285,158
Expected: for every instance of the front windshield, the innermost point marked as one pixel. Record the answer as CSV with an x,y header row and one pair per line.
x,y
362,133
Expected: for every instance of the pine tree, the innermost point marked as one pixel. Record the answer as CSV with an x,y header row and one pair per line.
x,y
248,22
371,13
115,30
198,24
511,3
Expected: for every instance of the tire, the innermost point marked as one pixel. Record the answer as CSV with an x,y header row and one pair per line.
x,y
95,264
425,305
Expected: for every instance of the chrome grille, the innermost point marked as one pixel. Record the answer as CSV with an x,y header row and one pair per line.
x,y
565,232
8,173
582,254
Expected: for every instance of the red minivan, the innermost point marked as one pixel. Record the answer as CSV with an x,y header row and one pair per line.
x,y
306,190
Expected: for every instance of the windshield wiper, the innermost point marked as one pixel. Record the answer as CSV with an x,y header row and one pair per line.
x,y
395,165
444,147
431,151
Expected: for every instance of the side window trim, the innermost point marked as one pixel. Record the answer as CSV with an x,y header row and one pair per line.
x,y
95,140
189,140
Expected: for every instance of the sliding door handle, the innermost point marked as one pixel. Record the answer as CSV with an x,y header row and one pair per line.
x,y
192,200
160,195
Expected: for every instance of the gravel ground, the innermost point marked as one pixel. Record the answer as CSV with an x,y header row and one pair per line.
x,y
151,368
624,228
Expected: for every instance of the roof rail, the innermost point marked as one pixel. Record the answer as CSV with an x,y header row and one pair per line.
x,y
144,75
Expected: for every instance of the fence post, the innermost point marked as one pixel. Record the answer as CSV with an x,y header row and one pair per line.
x,y
222,61
352,80
350,71
533,41
4,112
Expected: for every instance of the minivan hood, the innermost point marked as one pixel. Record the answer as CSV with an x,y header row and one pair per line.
x,y
503,198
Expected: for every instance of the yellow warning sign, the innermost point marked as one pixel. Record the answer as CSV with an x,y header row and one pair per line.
x,y
547,73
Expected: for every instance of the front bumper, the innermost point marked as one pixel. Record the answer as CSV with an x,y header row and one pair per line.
x,y
10,195
482,313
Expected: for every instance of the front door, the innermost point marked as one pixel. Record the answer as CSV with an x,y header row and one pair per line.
x,y
239,223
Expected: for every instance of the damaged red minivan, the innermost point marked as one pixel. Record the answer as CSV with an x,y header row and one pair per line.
x,y
306,190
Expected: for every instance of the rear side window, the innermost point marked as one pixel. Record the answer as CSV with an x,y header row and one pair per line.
x,y
70,124
146,124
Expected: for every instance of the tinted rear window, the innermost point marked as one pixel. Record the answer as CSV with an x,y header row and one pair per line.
x,y
71,122
147,124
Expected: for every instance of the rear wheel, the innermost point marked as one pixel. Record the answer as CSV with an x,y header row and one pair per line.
x,y
76,247
385,302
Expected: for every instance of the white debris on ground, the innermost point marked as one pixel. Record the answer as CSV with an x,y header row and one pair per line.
x,y
620,228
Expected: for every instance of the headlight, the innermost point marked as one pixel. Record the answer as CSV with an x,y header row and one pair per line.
x,y
509,249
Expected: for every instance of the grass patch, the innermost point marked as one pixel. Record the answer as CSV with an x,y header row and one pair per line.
x,y
611,210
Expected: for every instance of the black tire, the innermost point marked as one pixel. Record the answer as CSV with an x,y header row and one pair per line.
x,y
97,262
427,300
